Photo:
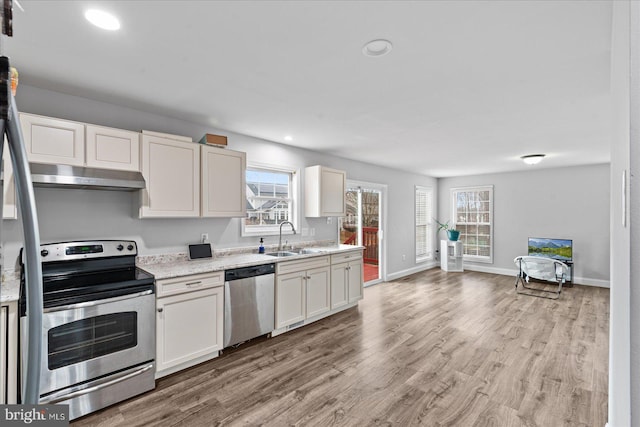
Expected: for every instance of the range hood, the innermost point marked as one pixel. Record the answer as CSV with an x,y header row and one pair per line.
x,y
65,176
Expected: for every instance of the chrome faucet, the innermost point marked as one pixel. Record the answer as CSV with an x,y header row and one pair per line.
x,y
280,239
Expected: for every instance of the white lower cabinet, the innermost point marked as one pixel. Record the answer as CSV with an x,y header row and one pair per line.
x,y
302,290
318,287
189,321
8,352
290,298
346,278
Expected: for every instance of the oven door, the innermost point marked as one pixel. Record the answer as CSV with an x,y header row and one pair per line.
x,y
84,341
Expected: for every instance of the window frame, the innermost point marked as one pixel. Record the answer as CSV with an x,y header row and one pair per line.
x,y
429,224
454,221
294,197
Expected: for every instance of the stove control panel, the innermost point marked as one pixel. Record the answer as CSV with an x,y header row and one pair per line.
x,y
65,251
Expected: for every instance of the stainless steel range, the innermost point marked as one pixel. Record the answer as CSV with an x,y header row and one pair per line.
x,y
98,325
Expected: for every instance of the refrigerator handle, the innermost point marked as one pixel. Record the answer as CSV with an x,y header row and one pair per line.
x,y
33,267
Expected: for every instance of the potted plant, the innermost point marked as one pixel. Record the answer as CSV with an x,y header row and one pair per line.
x,y
452,233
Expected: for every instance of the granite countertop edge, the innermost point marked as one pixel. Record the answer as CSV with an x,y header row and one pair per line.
x,y
180,267
10,290
177,265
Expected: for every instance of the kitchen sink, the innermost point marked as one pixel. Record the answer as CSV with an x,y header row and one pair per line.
x,y
281,253
302,251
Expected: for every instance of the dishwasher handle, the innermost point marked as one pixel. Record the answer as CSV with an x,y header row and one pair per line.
x,y
246,272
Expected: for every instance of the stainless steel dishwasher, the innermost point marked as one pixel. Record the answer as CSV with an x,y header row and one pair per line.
x,y
249,295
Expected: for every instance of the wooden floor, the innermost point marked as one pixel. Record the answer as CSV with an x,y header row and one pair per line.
x,y
435,349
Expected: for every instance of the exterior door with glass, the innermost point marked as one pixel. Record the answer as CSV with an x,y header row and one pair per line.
x,y
363,226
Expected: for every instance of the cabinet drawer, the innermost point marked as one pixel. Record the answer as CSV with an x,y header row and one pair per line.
x,y
347,256
196,282
303,264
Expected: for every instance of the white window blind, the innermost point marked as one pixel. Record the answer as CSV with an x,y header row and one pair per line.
x,y
424,223
473,218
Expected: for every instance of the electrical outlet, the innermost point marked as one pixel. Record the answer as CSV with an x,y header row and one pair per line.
x,y
329,220
204,237
404,257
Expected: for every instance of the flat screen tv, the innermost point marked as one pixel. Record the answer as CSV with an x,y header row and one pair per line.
x,y
560,249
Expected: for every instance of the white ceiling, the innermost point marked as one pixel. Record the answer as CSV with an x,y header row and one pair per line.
x,y
468,88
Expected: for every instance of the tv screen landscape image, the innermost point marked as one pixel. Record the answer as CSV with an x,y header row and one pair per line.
x,y
560,249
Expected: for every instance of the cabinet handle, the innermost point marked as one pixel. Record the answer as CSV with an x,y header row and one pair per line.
x,y
160,310
191,284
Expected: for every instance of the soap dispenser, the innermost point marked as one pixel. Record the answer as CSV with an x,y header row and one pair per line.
x,y
261,248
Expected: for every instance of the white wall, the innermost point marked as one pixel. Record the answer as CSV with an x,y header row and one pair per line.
x,y
86,214
568,203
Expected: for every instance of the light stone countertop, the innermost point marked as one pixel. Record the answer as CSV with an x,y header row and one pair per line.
x,y
10,290
177,265
169,267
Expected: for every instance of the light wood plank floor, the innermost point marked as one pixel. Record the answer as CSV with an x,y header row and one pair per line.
x,y
435,349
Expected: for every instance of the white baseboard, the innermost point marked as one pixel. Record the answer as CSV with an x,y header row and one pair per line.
x,y
488,269
417,269
493,270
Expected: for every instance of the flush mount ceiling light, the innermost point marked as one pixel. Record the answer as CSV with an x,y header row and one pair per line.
x,y
379,47
533,159
102,19
288,138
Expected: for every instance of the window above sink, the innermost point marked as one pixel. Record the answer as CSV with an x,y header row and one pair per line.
x,y
272,197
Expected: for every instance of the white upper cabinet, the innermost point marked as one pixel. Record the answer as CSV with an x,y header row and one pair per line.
x,y
58,141
110,148
325,190
223,182
9,208
49,140
171,168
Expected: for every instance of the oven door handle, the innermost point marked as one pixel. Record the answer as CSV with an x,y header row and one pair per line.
x,y
55,398
98,302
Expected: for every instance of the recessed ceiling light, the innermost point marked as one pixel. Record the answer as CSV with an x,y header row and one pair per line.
x,y
377,47
533,159
288,138
102,19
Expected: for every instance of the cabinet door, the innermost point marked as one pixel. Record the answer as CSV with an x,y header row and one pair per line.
x,y
55,141
339,285
355,281
332,192
9,209
188,326
171,169
324,191
290,299
110,148
223,182
318,285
